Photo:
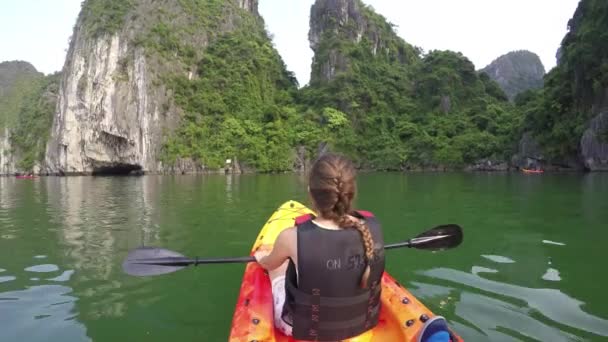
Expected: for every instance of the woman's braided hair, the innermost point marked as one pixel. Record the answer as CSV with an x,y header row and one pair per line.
x,y
332,188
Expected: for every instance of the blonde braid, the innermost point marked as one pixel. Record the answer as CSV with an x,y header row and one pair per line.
x,y
345,221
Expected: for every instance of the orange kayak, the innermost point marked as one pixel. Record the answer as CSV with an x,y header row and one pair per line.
x,y
532,171
401,316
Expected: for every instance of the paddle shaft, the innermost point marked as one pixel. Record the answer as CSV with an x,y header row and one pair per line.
x,y
146,261
182,261
416,241
398,245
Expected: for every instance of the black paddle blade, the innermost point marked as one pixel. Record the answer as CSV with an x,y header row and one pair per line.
x,y
150,261
439,238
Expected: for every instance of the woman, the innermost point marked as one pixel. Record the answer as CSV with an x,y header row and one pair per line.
x,y
326,270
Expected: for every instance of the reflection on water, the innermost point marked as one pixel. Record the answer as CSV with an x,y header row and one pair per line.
x,y
519,276
502,321
92,220
52,305
4,279
499,259
549,242
39,302
478,269
552,275
99,220
485,312
42,268
63,277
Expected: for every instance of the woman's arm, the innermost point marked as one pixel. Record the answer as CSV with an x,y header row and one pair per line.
x,y
282,250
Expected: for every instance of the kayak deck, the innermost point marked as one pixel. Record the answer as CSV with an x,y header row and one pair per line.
x,y
401,315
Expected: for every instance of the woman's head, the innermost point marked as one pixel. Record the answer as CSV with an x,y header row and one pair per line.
x,y
332,185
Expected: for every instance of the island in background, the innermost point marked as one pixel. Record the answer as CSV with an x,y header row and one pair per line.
x,y
183,87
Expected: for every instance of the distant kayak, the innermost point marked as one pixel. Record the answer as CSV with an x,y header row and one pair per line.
x,y
26,177
532,171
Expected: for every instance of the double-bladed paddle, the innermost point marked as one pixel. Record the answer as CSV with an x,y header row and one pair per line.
x,y
150,261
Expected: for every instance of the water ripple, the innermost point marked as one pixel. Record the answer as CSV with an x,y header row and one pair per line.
x,y
499,259
549,242
46,268
551,303
22,312
478,269
6,279
65,276
500,320
552,275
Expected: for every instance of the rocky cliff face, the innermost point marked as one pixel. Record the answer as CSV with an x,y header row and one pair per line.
x,y
7,162
17,80
529,154
114,109
249,5
517,72
590,78
397,108
334,24
105,117
584,59
568,117
594,143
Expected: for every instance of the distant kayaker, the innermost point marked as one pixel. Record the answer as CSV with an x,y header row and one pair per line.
x,y
326,270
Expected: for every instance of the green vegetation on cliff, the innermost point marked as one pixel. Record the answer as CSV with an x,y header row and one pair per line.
x,y
31,132
404,109
104,16
236,107
17,81
372,96
237,97
558,114
27,105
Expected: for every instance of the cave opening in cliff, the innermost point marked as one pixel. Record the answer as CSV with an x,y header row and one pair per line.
x,y
117,170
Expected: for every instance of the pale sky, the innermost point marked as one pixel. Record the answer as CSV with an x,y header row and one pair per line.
x,y
38,30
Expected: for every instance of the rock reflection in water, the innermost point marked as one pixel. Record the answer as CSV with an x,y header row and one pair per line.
x,y
100,220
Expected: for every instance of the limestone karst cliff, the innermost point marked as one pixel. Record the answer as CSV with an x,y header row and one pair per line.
x,y
116,107
567,118
516,72
399,107
186,85
337,27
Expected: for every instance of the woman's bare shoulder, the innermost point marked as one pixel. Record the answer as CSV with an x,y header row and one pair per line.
x,y
288,238
288,234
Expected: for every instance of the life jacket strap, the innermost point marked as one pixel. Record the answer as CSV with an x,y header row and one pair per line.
x,y
324,327
302,298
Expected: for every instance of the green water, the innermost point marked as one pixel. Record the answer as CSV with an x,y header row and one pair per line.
x,y
532,266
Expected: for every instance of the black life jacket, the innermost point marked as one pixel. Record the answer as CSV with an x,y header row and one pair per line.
x,y
324,299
